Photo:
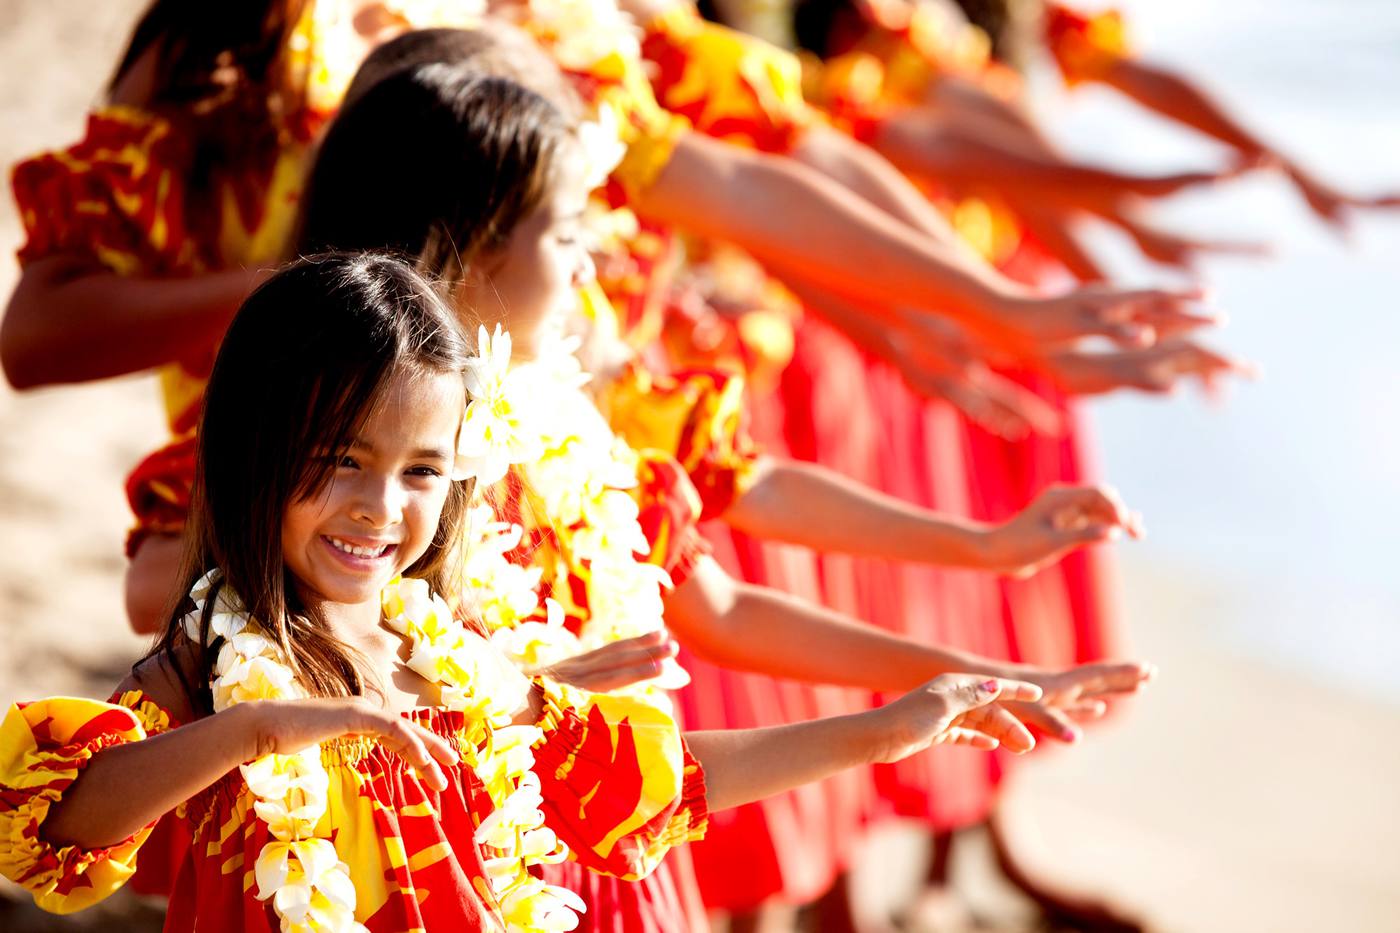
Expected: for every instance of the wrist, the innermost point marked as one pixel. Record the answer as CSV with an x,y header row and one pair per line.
x,y
250,728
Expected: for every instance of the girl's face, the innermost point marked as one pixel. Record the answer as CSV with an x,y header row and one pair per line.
x,y
381,508
531,284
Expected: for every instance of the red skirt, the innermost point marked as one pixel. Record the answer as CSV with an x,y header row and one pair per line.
x,y
790,847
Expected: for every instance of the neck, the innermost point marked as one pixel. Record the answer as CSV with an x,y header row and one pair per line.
x,y
353,623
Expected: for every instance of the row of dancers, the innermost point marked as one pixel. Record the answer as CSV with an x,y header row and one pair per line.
x,y
613,458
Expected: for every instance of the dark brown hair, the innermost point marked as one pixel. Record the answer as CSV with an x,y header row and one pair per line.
x,y
436,162
302,367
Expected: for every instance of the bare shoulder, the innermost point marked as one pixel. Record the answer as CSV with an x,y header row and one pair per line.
x,y
160,678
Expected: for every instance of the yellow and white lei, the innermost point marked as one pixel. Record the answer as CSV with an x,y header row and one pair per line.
x,y
579,475
299,870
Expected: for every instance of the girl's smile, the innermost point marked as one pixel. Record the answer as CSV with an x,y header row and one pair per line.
x,y
380,509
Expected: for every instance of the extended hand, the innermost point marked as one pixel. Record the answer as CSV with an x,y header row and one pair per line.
x,y
617,665
1130,317
1076,695
1061,519
288,726
1158,369
955,709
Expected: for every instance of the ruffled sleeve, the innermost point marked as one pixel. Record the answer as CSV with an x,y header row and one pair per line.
x,y
696,416
620,786
44,746
117,197
728,85
649,132
1084,46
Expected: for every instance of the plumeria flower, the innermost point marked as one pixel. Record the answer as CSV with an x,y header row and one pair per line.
x,y
497,431
260,678
541,907
274,776
583,34
319,907
297,861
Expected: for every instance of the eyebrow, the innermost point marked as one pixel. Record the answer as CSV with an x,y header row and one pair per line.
x,y
422,453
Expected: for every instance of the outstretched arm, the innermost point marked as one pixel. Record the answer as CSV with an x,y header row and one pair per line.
x,y
803,225
750,764
115,795
1181,99
69,321
808,505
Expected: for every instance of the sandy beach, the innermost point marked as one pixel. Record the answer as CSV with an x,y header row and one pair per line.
x,y
1233,796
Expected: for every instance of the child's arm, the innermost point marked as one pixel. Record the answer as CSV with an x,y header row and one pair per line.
x,y
809,505
755,628
1183,100
70,321
805,226
746,765
115,794
1157,370
972,155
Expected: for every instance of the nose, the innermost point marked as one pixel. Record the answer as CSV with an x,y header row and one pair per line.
x,y
378,500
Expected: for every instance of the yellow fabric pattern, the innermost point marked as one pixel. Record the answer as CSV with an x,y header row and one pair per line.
x,y
1085,46
695,417
729,85
43,748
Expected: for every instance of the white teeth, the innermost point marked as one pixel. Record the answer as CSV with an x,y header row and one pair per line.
x,y
357,551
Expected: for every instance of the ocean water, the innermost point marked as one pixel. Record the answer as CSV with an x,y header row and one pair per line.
x,y
1281,504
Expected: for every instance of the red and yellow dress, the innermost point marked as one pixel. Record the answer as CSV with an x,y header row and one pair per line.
x,y
619,788
121,200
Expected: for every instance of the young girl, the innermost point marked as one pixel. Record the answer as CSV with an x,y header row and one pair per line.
x,y
392,770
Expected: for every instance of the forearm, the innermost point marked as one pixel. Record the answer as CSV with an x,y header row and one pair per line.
x,y
919,144
753,628
744,765
805,504
789,215
125,787
65,325
1181,100
869,175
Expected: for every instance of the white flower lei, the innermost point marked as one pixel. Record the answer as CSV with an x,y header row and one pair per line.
x,y
299,870
580,475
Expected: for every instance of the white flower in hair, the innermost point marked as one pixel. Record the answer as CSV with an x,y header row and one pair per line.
x,y
499,428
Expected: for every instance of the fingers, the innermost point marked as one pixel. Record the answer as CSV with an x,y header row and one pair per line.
x,y
419,747
1159,311
1048,720
619,664
1107,678
957,735
997,722
1092,512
